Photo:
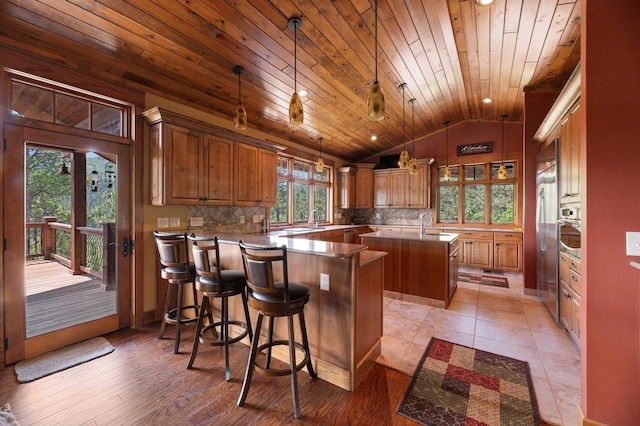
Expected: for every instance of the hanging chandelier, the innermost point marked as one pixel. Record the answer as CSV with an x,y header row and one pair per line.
x,y
240,114
296,113
375,102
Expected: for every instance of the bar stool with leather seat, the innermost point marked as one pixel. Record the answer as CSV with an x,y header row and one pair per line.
x,y
274,298
214,282
176,268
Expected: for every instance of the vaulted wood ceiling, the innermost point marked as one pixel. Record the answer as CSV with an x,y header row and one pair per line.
x,y
450,53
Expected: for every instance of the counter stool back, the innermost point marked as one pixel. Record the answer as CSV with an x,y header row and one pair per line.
x,y
214,282
275,298
175,267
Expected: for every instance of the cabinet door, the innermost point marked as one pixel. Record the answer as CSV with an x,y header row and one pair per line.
x,y
570,157
347,188
266,174
453,275
398,181
381,189
565,306
182,163
417,191
245,172
217,176
365,188
574,331
479,254
574,177
507,255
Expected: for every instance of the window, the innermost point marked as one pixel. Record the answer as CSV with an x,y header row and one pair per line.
x,y
51,104
474,194
303,193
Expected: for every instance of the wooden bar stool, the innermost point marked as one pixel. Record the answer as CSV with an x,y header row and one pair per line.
x,y
175,267
273,299
214,282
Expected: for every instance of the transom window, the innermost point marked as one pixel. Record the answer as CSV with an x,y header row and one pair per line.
x,y
303,193
474,194
37,101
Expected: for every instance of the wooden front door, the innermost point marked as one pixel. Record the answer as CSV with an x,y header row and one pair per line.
x,y
90,248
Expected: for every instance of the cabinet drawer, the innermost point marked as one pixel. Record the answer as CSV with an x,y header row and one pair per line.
x,y
507,236
574,281
475,235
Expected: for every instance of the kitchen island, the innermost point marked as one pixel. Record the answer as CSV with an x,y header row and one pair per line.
x,y
419,268
344,323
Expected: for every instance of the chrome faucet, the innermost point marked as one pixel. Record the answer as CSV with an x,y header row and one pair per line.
x,y
430,221
313,223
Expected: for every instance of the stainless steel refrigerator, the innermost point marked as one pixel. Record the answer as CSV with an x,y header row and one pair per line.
x,y
547,229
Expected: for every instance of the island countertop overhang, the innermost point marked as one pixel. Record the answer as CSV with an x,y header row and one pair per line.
x,y
444,237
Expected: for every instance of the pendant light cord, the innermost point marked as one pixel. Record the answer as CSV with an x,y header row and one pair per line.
x,y
503,117
376,37
446,123
295,57
413,127
404,143
239,90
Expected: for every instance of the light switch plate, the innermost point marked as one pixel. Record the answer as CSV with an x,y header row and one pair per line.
x,y
256,218
633,243
324,282
196,221
163,222
174,222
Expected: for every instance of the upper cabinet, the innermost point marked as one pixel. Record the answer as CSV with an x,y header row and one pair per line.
x,y
355,186
196,163
255,176
570,157
396,188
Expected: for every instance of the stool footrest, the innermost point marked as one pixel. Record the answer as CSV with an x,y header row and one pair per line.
x,y
170,317
216,342
282,371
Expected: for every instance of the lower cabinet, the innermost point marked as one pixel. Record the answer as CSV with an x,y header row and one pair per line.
x,y
570,288
476,249
507,251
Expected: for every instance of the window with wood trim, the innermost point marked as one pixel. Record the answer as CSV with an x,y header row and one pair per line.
x,y
302,193
474,195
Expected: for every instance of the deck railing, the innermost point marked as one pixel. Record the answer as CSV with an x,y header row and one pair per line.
x,y
85,250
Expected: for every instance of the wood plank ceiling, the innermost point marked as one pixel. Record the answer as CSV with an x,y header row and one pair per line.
x,y
450,53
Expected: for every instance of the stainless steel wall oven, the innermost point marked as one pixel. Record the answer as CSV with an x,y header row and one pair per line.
x,y
569,231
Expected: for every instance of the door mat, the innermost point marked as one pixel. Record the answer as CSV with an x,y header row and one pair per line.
x,y
43,365
458,385
483,279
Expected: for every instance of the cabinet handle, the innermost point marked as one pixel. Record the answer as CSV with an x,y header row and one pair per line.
x,y
567,296
573,278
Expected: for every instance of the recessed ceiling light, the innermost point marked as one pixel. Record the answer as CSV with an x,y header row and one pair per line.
x,y
374,137
303,92
487,100
484,2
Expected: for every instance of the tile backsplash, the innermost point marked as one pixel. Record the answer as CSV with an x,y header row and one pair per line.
x,y
227,218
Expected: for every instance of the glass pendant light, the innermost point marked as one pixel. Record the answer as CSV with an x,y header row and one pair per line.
x,y
375,102
413,163
403,162
502,170
296,113
240,114
320,163
447,170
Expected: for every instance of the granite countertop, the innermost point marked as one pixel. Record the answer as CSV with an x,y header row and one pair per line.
x,y
301,230
443,237
294,245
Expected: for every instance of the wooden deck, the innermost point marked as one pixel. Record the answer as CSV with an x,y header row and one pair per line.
x,y
57,299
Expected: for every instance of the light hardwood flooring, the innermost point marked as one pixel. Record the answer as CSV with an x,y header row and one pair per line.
x,y
502,321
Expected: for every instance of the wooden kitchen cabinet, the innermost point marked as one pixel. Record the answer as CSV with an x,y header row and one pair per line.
x,y
569,159
570,290
355,186
476,249
189,166
396,188
255,176
507,251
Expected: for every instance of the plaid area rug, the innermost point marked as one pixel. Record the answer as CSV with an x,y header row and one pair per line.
x,y
457,385
483,279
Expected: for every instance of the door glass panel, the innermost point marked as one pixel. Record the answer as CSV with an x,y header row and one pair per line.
x,y
70,217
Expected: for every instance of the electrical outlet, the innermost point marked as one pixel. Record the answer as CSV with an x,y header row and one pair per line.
x,y
256,218
633,243
324,282
163,222
174,222
196,221
242,219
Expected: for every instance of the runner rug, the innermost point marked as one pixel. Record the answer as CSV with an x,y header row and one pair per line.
x,y
457,385
494,280
43,365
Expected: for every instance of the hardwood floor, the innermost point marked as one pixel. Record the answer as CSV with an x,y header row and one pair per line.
x,y
143,383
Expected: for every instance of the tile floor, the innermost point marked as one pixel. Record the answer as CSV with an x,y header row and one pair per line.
x,y
498,320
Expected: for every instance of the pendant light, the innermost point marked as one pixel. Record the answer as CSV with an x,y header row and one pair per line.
x,y
403,162
64,170
375,102
296,114
413,163
240,114
502,170
320,163
447,170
